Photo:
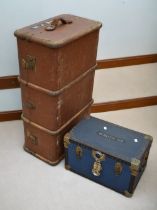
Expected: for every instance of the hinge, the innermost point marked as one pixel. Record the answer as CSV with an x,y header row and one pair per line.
x,y
135,164
66,140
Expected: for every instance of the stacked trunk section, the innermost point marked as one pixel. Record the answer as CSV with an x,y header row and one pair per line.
x,y
56,75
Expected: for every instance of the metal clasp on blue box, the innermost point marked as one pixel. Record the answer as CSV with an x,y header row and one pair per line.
x,y
108,154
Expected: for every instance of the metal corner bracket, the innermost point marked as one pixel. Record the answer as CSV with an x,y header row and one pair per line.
x,y
135,164
67,167
127,194
148,137
66,140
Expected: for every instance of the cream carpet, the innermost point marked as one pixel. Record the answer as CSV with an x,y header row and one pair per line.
x,y
27,183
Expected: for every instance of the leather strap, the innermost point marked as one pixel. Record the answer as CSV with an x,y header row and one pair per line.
x,y
57,22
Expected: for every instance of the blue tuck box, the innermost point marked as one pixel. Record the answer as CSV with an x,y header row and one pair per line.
x,y
106,153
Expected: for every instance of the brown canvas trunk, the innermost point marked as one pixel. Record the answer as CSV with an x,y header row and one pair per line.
x,y
57,59
46,144
56,108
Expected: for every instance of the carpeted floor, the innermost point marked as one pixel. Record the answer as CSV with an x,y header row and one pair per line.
x,y
27,183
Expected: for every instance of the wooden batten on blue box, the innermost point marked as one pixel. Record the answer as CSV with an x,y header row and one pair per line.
x,y
108,154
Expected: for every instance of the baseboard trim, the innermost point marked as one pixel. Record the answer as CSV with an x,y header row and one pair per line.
x,y
126,61
97,107
9,82
10,115
124,104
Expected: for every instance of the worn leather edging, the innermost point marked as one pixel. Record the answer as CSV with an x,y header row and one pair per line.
x,y
57,92
50,132
60,43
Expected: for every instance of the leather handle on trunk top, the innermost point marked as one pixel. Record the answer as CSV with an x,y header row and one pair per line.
x,y
57,22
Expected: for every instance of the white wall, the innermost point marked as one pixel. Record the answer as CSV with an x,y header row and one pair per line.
x,y
10,99
129,28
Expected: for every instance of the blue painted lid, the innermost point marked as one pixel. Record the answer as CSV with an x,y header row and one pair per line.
x,y
111,139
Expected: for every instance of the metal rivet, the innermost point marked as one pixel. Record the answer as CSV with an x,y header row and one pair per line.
x,y
50,28
135,140
57,142
105,128
34,27
48,22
